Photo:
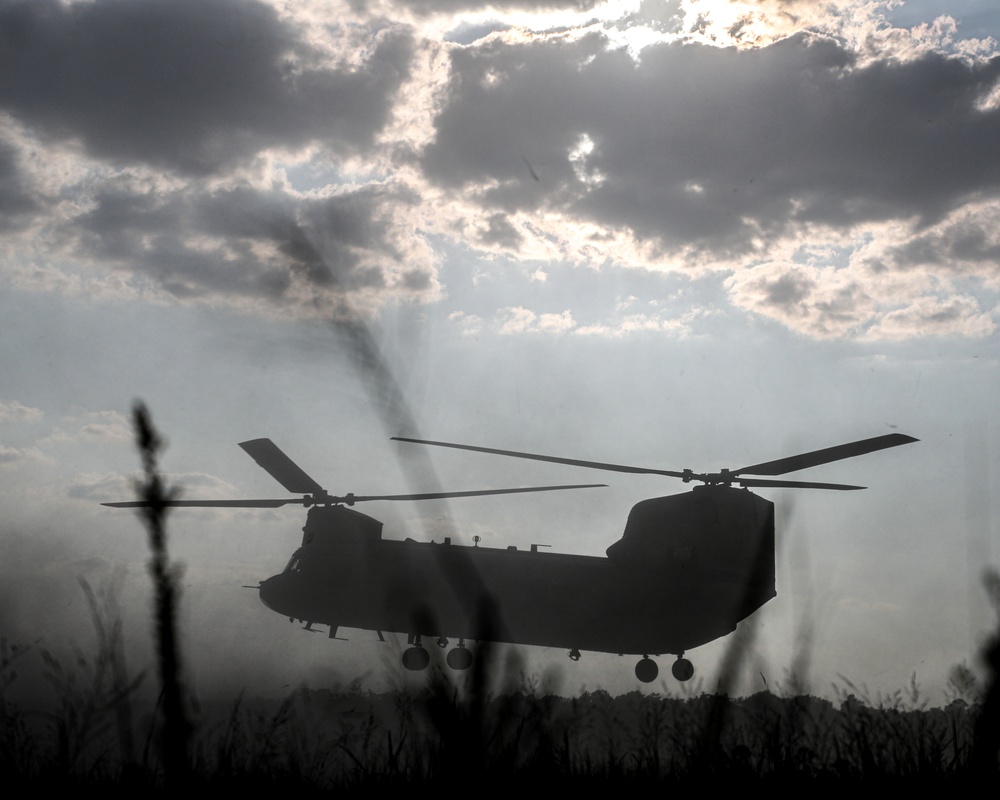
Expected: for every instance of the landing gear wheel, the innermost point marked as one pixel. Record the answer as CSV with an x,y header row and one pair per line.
x,y
646,670
416,659
682,669
459,658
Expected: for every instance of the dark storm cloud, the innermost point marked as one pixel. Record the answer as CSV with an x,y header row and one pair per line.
x,y
716,147
245,243
187,85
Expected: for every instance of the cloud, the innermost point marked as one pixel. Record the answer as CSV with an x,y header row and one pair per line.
x,y
468,324
16,200
632,324
426,7
189,86
114,487
109,425
828,303
14,411
314,256
144,137
100,487
92,426
931,316
16,456
966,242
713,147
255,157
521,320
339,252
499,231
781,164
822,303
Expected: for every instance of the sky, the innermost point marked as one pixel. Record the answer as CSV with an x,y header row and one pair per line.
x,y
672,233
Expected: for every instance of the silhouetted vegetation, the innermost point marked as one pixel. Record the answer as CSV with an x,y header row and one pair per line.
x,y
454,730
351,739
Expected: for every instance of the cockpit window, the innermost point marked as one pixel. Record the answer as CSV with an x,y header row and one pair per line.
x,y
294,565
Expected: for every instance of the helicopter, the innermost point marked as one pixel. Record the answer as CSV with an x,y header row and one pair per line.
x,y
687,569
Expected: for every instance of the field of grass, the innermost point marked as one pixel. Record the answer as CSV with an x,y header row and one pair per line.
x,y
96,732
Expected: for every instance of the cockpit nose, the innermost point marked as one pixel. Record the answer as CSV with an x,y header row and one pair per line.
x,y
268,591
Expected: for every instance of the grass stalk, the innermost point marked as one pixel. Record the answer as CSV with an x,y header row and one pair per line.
x,y
166,579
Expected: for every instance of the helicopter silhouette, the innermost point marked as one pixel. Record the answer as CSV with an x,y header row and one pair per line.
x,y
687,569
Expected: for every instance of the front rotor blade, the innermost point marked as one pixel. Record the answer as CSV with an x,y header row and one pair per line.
x,y
825,456
797,484
210,503
480,493
552,459
285,471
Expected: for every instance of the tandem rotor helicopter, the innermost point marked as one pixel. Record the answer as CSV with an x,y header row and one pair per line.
x,y
686,570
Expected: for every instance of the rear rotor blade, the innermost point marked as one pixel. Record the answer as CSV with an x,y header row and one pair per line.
x,y
552,459
825,456
797,484
285,471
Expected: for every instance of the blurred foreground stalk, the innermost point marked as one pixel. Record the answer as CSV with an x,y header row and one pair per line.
x,y
987,749
152,491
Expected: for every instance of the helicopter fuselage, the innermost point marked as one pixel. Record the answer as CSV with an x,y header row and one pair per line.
x,y
687,569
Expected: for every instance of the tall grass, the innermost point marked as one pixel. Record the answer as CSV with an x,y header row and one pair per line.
x,y
447,735
153,491
17,743
987,740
